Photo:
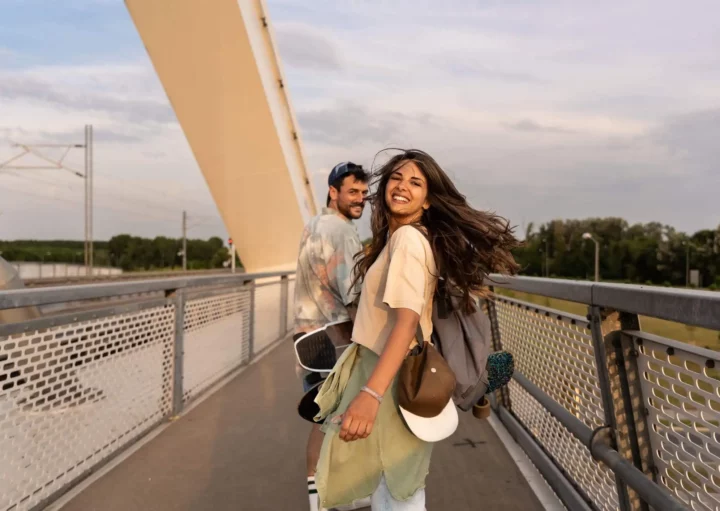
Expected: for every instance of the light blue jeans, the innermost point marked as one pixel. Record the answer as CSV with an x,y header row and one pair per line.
x,y
381,500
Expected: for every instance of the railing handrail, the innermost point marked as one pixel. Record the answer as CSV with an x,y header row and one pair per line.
x,y
119,277
693,307
570,290
16,298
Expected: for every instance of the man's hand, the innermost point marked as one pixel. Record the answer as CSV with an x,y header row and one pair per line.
x,y
359,418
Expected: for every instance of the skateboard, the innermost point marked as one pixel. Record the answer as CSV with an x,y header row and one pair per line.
x,y
317,351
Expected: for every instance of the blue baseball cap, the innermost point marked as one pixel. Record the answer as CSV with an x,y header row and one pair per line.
x,y
341,170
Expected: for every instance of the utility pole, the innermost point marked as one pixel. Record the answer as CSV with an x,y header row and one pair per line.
x,y
89,199
54,164
232,255
184,241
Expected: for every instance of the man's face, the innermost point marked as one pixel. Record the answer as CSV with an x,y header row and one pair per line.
x,y
350,199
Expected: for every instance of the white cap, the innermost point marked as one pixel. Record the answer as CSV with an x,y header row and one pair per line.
x,y
433,429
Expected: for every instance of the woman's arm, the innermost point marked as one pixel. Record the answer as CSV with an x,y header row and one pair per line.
x,y
396,349
360,415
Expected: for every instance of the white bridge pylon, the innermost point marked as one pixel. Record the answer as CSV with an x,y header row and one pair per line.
x,y
220,69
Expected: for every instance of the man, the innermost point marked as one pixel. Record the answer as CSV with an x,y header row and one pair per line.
x,y
323,289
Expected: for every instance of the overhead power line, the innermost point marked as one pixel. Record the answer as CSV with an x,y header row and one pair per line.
x,y
38,151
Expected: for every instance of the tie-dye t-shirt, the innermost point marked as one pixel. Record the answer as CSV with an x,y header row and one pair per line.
x,y
324,271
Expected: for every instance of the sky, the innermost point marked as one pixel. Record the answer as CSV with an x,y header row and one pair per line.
x,y
537,109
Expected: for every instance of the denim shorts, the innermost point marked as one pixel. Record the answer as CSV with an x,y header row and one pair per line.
x,y
382,500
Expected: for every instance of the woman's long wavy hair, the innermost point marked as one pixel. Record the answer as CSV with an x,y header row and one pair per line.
x,y
467,244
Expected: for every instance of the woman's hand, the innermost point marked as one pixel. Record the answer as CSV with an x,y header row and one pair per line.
x,y
358,419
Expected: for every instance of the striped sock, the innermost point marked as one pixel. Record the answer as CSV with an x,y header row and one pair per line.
x,y
313,494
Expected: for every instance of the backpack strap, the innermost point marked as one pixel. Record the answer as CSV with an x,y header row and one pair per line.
x,y
443,299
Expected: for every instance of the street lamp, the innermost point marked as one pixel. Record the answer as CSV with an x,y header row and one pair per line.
x,y
689,245
588,236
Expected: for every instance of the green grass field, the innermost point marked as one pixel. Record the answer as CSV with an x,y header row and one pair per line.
x,y
702,337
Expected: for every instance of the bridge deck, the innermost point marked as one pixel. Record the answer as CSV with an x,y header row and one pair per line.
x,y
243,448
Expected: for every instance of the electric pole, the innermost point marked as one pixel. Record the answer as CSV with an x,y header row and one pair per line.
x,y
184,240
54,164
88,200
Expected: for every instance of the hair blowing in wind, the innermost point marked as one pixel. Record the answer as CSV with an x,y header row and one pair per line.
x,y
468,244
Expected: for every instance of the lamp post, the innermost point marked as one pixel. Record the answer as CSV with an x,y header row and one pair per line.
x,y
232,254
688,245
588,236
547,254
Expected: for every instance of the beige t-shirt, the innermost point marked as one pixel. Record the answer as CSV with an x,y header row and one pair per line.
x,y
403,276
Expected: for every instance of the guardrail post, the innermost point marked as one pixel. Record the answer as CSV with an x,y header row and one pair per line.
x,y
601,364
178,352
284,295
503,392
632,437
251,330
610,362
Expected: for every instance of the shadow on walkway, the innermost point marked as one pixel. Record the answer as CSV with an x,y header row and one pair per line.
x,y
243,448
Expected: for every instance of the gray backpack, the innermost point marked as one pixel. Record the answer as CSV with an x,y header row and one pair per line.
x,y
465,341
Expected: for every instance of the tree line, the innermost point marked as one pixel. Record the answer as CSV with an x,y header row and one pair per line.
x,y
131,253
650,253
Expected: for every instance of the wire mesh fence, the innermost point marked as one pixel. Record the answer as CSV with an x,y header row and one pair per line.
x,y
554,350
74,391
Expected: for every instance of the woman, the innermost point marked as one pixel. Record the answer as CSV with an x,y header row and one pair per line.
x,y
423,229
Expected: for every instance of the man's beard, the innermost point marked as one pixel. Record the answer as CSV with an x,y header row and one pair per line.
x,y
346,210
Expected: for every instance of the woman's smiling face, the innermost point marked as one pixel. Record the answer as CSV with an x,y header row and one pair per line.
x,y
407,192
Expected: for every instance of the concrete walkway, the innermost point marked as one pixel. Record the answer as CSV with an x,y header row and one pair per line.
x,y
243,448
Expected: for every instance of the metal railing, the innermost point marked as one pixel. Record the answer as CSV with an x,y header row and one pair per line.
x,y
612,416
41,271
76,389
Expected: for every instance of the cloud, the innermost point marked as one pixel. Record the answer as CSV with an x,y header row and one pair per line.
x,y
528,125
346,124
155,155
467,66
106,134
303,47
692,139
95,89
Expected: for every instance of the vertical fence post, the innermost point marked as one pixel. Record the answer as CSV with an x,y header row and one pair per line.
x,y
631,434
503,392
251,331
284,288
605,363
178,352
